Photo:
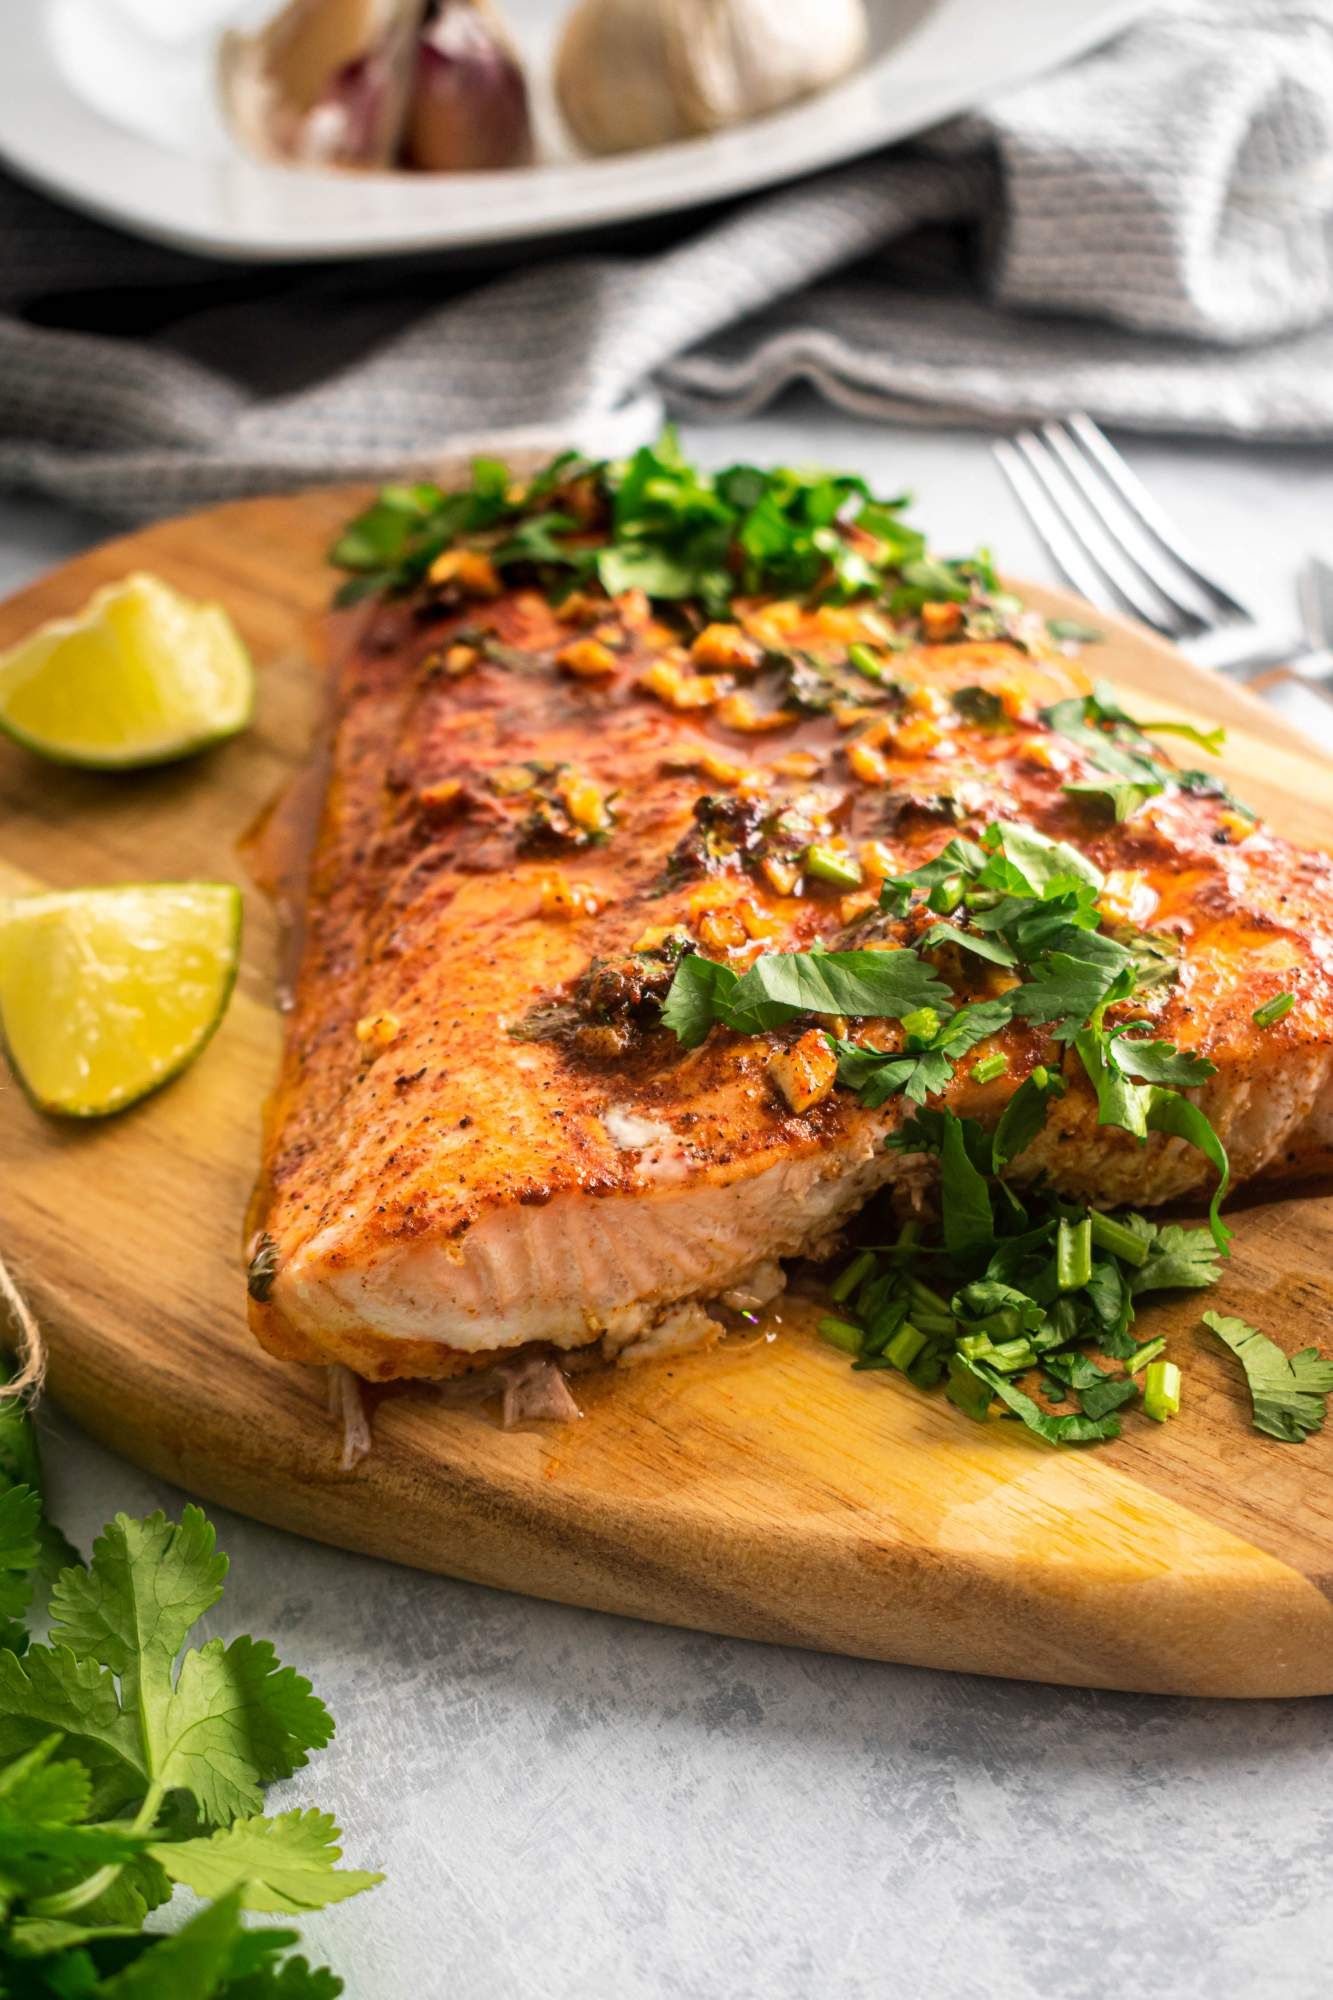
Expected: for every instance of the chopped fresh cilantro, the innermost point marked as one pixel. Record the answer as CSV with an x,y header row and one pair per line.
x,y
1161,1062
1273,1010
992,948
990,1068
926,1062
965,1203
1075,631
1122,797
879,985
1161,1391
980,705
1056,1430
656,523
1289,1392
1024,1116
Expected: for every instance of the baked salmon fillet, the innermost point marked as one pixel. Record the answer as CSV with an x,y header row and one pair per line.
x,y
580,801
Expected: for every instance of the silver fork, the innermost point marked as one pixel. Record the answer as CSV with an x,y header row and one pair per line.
x,y
1110,540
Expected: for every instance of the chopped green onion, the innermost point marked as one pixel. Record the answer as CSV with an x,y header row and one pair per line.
x,y
1073,1254
1161,1391
865,661
905,1346
923,1022
1143,1355
927,1301
1108,1234
847,1281
989,1068
841,1333
1273,1010
826,865
1010,1356
883,1325
945,897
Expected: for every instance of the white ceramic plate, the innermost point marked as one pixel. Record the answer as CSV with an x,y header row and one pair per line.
x,y
109,105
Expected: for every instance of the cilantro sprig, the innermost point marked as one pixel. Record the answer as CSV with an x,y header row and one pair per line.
x,y
131,1762
657,523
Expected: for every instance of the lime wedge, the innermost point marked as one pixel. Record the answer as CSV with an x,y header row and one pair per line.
x,y
142,675
107,993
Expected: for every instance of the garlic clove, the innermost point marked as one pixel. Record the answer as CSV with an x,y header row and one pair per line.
x,y
611,79
468,107
743,58
635,73
325,83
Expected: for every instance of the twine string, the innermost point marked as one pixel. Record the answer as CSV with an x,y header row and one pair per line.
x,y
29,1346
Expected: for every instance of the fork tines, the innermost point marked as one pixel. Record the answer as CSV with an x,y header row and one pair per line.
x,y
1106,533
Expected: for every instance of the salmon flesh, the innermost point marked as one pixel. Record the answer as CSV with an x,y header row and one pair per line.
x,y
483,1137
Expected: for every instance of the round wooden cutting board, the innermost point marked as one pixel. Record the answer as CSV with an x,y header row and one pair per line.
x,y
769,1493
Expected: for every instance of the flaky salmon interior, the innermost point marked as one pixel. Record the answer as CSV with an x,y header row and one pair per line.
x,y
482,1136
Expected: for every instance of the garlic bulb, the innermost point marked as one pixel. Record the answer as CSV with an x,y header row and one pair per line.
x,y
468,109
633,73
325,83
435,84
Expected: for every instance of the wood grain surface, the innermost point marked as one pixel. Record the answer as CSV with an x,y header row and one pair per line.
x,y
768,1493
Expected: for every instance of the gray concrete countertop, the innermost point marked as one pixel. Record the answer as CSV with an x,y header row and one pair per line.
x,y
575,1807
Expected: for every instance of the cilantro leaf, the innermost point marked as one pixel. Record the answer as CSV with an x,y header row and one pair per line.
x,y
284,1865
1098,1392
781,985
34,1787
1289,1393
20,1465
1178,1259
131,1609
926,1064
1024,1116
294,1979
1066,1430
1065,991
1033,864
20,1548
192,1965
696,998
967,1217
230,1721
49,1689
1161,1062
992,948
1076,631
236,1722
1121,796
874,1074
1177,1117
876,984
1140,1108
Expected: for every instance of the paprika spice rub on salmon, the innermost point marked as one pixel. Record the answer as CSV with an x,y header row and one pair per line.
x,y
683,838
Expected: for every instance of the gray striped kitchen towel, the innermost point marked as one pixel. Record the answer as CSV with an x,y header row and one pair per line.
x,y
1147,235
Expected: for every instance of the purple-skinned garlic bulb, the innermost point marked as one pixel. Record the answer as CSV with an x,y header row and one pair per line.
x,y
468,107
325,83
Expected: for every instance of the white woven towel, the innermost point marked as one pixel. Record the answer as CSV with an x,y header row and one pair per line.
x,y
1147,235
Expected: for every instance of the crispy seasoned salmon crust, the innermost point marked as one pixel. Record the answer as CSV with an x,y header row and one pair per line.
x,y
481,1135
